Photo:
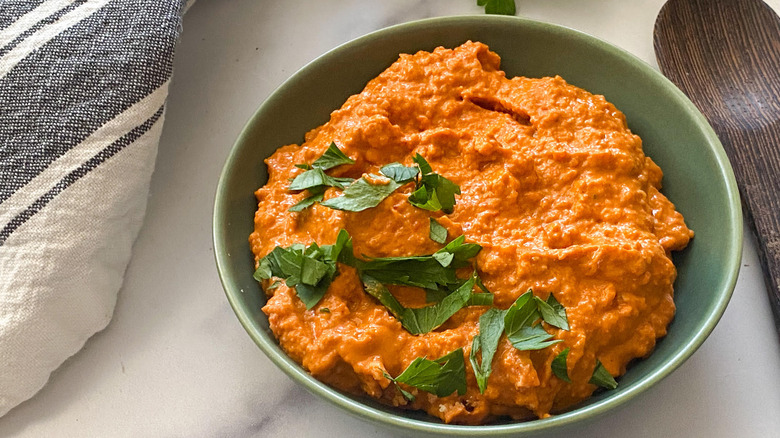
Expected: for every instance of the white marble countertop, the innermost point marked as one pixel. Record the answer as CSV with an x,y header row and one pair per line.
x,y
175,361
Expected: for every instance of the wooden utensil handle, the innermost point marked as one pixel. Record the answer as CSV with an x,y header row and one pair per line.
x,y
757,169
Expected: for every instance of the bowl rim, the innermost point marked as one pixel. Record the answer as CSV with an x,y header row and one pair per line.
x,y
584,413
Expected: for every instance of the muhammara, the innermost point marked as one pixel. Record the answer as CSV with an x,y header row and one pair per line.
x,y
554,187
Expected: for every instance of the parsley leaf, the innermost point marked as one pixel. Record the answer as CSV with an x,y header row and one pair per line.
x,y
315,195
553,312
331,158
315,178
437,233
500,7
316,181
458,252
491,326
602,377
309,269
435,295
433,272
532,338
362,194
433,191
422,163
423,271
399,173
380,292
483,299
425,319
521,313
426,271
441,377
519,324
558,366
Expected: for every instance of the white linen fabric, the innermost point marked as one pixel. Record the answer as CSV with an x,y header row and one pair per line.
x,y
83,85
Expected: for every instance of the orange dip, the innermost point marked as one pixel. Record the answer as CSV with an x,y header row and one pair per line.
x,y
555,188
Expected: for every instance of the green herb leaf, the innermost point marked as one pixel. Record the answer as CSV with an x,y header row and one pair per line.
x,y
522,313
460,251
425,319
433,191
559,367
443,191
430,271
315,195
399,173
361,195
324,310
315,178
491,326
331,158
553,312
437,232
380,292
309,269
481,285
532,338
422,163
441,377
602,377
436,295
303,166
425,198
425,272
312,270
480,300
499,7
407,395
519,325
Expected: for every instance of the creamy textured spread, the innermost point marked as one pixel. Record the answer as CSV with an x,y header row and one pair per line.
x,y
555,188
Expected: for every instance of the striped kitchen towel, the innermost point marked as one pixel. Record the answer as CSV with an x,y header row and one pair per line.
x,y
83,85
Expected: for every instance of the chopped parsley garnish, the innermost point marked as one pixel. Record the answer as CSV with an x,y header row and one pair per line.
x,y
310,269
491,326
553,312
601,377
499,7
316,178
437,232
433,191
316,181
423,319
521,325
441,376
480,299
316,194
430,271
559,367
399,173
332,157
363,194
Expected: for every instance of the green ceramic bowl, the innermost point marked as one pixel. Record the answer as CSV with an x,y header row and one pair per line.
x,y
697,178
